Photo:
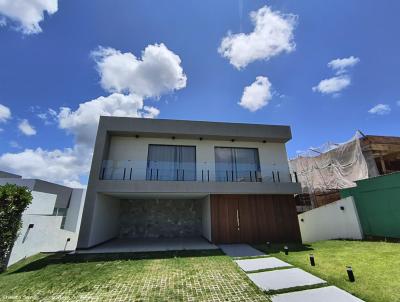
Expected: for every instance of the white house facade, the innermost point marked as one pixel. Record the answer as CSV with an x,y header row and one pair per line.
x,y
225,182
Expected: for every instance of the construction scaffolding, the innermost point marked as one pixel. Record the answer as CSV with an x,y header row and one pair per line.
x,y
323,171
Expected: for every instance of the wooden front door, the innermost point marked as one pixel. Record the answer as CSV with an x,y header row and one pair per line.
x,y
253,218
233,219
229,227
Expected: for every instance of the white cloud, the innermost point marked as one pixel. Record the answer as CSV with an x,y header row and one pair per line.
x,y
15,144
49,117
380,109
341,65
74,184
150,112
82,123
157,72
342,79
26,128
27,13
257,95
42,116
398,103
333,85
56,165
67,165
272,35
5,113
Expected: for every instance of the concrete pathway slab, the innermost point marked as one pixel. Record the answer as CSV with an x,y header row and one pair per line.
x,y
240,250
149,245
283,279
325,294
249,265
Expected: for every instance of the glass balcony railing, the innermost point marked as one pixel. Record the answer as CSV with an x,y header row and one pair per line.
x,y
166,171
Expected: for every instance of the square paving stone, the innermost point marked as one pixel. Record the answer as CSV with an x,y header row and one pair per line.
x,y
240,250
249,265
325,294
283,279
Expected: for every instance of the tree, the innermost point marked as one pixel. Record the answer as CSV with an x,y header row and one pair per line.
x,y
13,202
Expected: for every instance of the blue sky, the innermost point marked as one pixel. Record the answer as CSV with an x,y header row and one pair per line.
x,y
50,64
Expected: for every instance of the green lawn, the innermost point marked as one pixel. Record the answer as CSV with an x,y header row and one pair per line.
x,y
376,266
197,276
180,276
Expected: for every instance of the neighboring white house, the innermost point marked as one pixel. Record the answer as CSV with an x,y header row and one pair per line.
x,y
51,222
154,178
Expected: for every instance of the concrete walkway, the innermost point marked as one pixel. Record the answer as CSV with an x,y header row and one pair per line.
x,y
249,265
276,275
240,250
325,294
284,279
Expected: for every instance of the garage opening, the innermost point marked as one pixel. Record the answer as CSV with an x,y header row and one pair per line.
x,y
150,225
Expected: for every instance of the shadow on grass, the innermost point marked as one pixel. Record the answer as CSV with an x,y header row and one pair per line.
x,y
274,248
62,258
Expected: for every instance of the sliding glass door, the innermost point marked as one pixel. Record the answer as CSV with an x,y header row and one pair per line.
x,y
171,162
237,164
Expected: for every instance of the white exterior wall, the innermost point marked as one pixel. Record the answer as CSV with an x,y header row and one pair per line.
x,y
42,204
330,222
46,234
105,222
206,218
272,155
74,213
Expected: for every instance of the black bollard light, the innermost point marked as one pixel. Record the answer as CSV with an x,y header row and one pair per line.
x,y
286,250
268,244
312,261
350,274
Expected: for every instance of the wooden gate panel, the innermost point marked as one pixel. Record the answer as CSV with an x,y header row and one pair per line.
x,y
224,220
262,218
248,224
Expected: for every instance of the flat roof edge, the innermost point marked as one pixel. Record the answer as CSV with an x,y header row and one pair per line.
x,y
194,129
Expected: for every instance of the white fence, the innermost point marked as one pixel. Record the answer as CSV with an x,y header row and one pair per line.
x,y
337,220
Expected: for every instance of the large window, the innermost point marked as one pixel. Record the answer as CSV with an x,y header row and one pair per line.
x,y
167,162
237,164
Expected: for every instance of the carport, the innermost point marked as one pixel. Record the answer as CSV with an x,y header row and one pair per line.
x,y
144,223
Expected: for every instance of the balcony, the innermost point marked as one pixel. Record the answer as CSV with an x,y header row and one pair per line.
x,y
134,179
165,171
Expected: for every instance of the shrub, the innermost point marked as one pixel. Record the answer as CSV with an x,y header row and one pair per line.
x,y
13,202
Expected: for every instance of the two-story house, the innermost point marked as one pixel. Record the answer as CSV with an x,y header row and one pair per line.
x,y
154,178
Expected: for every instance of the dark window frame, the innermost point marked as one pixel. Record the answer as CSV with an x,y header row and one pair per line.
x,y
234,176
172,145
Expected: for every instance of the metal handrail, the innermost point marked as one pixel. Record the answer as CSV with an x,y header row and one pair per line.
x,y
132,172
